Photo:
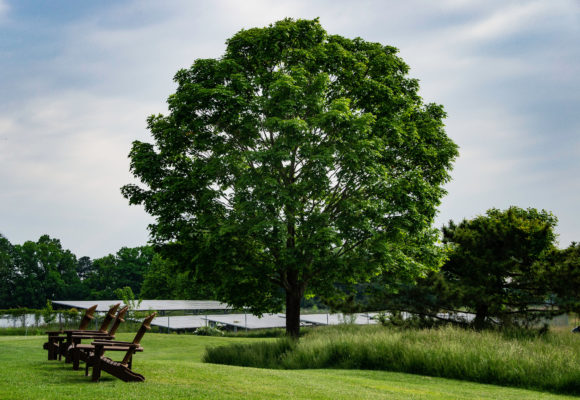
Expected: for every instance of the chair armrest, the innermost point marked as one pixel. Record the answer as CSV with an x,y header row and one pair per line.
x,y
102,337
114,343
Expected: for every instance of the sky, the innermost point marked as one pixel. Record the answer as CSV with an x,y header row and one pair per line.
x,y
78,80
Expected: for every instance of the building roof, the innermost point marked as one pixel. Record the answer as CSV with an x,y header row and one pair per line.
x,y
249,321
180,322
336,319
146,305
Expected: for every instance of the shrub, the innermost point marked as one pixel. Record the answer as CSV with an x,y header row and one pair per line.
x,y
208,331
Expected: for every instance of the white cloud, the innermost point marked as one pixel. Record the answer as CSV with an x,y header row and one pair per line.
x,y
509,20
64,161
3,8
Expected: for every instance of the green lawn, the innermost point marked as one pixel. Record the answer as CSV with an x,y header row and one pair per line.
x,y
172,366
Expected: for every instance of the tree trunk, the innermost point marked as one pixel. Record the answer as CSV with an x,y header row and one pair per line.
x,y
293,288
480,315
293,314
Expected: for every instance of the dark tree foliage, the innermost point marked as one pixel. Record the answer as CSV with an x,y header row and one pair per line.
x,y
296,160
161,281
7,273
116,271
429,298
85,268
35,272
495,262
561,271
42,270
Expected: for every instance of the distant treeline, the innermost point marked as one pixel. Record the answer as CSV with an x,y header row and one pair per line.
x,y
34,272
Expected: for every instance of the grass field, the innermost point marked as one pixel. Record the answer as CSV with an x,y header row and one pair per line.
x,y
173,368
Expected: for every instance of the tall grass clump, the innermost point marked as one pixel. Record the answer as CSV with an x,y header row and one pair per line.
x,y
546,362
258,355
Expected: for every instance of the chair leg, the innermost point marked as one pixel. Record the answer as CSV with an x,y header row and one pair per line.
x,y
75,357
96,362
96,370
50,347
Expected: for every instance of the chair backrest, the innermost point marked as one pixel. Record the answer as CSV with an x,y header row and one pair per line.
x,y
88,317
109,317
118,319
145,326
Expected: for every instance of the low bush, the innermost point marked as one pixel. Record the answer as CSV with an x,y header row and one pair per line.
x,y
208,331
546,362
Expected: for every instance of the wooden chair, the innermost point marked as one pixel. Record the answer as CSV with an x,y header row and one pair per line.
x,y
63,347
55,339
74,353
123,369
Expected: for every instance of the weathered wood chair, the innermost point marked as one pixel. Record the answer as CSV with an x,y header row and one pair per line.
x,y
55,338
123,369
68,334
74,340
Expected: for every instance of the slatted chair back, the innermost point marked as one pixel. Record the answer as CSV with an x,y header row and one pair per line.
x,y
88,317
118,319
145,326
109,317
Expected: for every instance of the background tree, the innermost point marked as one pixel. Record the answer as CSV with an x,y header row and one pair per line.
x,y
7,273
35,272
162,281
296,160
44,271
495,262
85,268
561,271
116,271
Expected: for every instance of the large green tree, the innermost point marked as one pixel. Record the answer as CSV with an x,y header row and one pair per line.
x,y
43,270
496,263
296,160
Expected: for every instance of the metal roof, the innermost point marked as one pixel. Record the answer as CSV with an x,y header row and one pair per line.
x,y
180,322
146,305
249,321
243,321
336,319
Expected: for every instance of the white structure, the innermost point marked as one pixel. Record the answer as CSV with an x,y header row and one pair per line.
x,y
336,319
146,305
181,322
248,321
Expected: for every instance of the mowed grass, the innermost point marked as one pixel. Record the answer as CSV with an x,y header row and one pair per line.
x,y
173,368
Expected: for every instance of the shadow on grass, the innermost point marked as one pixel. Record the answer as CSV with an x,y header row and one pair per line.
x,y
60,372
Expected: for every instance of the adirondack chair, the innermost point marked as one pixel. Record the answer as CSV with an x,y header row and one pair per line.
x,y
67,339
55,338
74,354
123,369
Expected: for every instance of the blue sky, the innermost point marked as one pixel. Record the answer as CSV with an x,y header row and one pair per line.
x,y
78,79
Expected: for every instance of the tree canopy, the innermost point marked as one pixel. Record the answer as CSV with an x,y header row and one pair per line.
x,y
296,160
497,263
561,269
